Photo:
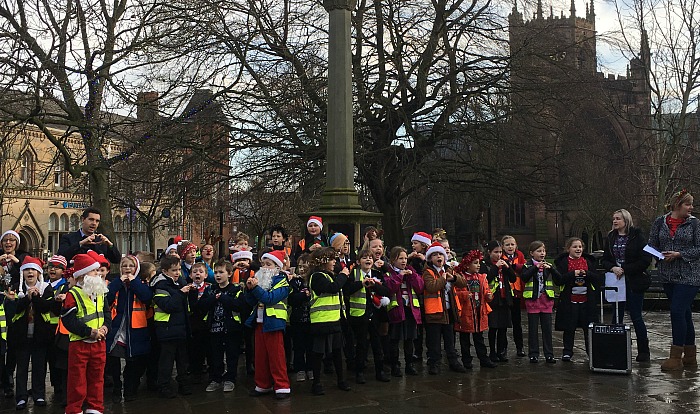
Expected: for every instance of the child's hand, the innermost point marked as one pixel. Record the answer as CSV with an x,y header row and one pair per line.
x,y
379,263
502,263
345,271
186,289
60,297
252,282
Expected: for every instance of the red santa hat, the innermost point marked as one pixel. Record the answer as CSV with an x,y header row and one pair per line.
x,y
84,264
99,258
30,262
177,239
58,261
276,256
315,219
243,254
436,248
422,237
379,301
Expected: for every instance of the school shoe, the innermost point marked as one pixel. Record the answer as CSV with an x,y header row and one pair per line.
x,y
344,386
457,367
282,395
566,358
410,369
167,393
259,392
381,376
213,386
301,376
184,389
534,360
502,357
643,354
229,386
550,360
487,363
396,371
520,353
310,375
21,405
467,364
40,402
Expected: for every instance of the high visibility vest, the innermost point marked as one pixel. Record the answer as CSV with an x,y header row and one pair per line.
x,y
279,309
517,260
160,315
3,322
326,306
433,301
46,316
236,315
529,291
139,312
89,312
236,275
394,302
358,300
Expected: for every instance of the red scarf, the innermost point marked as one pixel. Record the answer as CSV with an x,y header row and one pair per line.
x,y
673,224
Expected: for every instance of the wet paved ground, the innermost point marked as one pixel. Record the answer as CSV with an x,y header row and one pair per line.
x,y
514,387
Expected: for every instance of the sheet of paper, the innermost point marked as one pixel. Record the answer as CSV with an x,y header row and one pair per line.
x,y
611,280
652,251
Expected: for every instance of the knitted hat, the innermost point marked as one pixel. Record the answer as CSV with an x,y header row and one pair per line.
x,y
99,258
436,248
136,261
58,261
315,219
422,237
243,254
84,264
171,248
12,232
185,247
337,240
276,256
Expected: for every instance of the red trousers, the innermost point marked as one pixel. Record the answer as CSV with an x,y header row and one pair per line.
x,y
270,361
86,368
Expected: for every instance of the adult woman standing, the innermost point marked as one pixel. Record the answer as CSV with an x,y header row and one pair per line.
x,y
624,256
11,257
676,235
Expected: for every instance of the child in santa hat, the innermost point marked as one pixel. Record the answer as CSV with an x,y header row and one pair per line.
x,y
267,292
30,333
313,239
86,316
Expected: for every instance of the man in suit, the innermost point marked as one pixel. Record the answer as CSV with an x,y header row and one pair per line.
x,y
86,238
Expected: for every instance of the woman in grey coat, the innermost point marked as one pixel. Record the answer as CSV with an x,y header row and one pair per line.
x,y
677,236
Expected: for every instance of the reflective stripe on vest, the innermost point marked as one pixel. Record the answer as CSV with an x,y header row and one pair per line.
x,y
46,316
279,309
394,303
160,315
3,323
326,306
358,300
433,301
530,289
88,312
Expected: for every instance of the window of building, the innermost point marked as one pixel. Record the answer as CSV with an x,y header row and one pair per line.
x,y
27,168
515,214
63,223
54,235
58,175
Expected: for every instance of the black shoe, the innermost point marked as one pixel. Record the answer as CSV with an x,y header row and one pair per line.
x,y
344,386
467,364
433,370
396,371
534,360
317,389
643,357
493,357
360,378
550,360
410,369
40,402
566,358
520,353
184,390
21,405
167,393
282,395
487,363
457,367
382,377
502,357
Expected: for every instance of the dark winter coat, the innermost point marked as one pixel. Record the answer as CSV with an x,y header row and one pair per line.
x,y
509,277
169,298
231,298
299,302
354,283
594,282
138,340
636,260
43,331
686,241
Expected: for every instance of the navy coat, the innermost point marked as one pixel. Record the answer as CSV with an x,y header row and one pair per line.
x,y
138,340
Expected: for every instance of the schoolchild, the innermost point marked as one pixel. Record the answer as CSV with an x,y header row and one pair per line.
x,y
539,278
516,259
474,300
313,239
198,344
299,320
499,274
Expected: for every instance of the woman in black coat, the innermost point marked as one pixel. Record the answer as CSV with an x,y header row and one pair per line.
x,y
579,296
624,255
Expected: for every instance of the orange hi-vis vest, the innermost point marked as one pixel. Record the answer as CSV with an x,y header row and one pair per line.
x,y
433,301
139,312
520,261
236,275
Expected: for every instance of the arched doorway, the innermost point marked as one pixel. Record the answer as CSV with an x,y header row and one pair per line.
x,y
30,241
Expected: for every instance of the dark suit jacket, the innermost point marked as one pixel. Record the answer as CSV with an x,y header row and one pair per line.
x,y
69,246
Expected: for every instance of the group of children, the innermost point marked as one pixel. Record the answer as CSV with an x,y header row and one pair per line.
x,y
294,313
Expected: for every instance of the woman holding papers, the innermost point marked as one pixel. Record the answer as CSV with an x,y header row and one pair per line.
x,y
624,258
676,235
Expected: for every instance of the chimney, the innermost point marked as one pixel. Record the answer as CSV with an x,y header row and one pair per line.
x,y
147,106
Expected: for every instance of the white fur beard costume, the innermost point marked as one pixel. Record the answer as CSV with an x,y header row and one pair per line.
x,y
93,286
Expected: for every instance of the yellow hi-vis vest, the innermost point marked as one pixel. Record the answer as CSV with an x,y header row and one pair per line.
x,y
394,302
3,322
90,313
529,291
326,306
279,309
358,300
159,314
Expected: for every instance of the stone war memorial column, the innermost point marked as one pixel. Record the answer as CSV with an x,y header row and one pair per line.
x,y
340,206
